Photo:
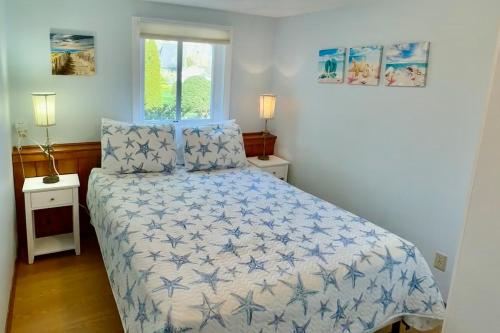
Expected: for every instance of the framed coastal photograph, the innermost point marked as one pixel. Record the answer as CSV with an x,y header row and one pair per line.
x,y
72,54
364,65
331,65
406,64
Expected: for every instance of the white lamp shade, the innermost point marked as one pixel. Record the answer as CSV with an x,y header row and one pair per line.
x,y
44,108
267,106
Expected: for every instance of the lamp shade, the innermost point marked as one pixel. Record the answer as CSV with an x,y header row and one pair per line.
x,y
44,108
267,106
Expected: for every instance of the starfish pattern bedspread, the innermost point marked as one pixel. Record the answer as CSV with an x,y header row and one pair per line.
x,y
241,251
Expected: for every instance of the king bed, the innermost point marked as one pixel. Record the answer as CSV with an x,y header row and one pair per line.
x,y
238,250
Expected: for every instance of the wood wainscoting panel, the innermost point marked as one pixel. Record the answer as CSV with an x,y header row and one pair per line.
x,y
254,143
78,158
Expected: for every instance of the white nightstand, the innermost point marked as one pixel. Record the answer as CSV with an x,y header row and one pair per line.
x,y
275,166
38,195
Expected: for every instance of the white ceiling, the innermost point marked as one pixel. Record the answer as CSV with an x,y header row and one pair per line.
x,y
271,8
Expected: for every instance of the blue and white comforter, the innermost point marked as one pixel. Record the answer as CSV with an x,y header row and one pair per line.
x,y
241,251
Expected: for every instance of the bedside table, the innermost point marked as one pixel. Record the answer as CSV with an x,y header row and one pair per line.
x,y
275,166
38,195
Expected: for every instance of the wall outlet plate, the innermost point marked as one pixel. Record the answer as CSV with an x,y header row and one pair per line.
x,y
21,130
440,261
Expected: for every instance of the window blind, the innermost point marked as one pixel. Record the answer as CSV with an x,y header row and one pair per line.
x,y
187,32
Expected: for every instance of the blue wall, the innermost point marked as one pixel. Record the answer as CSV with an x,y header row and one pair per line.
x,y
83,101
7,207
401,157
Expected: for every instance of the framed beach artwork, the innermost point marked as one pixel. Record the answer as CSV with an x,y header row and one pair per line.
x,y
364,65
406,64
331,65
72,54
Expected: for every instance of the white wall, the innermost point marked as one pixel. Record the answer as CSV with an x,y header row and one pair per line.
x,y
401,157
474,303
7,213
82,101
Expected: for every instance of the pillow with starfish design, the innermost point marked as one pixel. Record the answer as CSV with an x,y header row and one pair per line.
x,y
134,148
214,147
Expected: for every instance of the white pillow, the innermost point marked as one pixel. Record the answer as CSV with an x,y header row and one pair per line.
x,y
132,148
214,147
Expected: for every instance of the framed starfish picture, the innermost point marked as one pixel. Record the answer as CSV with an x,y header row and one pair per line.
x,y
331,65
364,65
406,64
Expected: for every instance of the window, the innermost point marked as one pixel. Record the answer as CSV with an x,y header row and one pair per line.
x,y
182,71
173,89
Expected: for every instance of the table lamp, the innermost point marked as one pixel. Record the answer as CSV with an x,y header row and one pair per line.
x,y
45,116
267,107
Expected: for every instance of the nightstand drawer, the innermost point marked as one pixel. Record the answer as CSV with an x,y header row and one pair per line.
x,y
277,171
51,198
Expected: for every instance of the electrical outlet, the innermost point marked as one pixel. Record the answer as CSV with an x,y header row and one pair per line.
x,y
440,261
21,130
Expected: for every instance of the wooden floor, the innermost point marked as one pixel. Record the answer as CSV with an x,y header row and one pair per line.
x,y
64,293
68,293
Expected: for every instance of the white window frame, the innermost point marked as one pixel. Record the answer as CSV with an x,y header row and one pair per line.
x,y
221,76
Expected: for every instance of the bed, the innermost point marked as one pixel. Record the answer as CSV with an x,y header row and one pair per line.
x,y
240,251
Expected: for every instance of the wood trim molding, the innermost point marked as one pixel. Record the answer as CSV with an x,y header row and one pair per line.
x,y
61,151
10,313
78,158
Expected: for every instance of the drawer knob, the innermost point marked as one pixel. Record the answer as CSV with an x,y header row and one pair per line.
x,y
52,199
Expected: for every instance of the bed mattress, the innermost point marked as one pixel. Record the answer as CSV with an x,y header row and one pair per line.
x,y
241,251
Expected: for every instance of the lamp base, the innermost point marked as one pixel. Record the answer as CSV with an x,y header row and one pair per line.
x,y
51,179
264,158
